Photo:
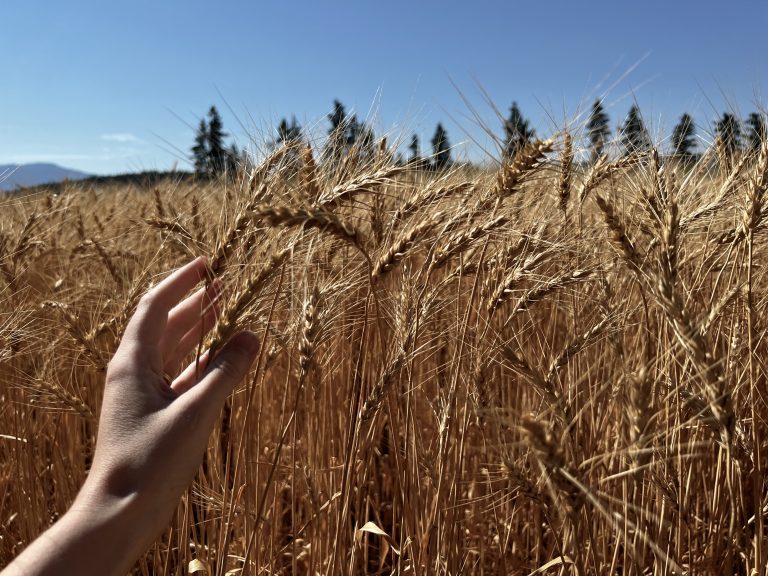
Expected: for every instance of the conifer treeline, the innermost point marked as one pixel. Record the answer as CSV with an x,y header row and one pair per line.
x,y
211,157
731,134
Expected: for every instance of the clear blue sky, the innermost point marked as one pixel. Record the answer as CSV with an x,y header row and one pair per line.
x,y
111,87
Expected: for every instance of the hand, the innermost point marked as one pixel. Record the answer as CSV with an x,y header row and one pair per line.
x,y
153,431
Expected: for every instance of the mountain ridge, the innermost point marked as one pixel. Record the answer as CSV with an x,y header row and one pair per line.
x,y
13,176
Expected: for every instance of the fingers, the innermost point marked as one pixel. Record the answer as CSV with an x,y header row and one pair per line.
x,y
191,375
187,324
188,344
187,315
221,374
148,324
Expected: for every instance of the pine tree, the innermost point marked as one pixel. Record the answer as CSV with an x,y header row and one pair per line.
x,y
757,131
352,132
684,138
288,133
338,117
517,132
337,134
598,129
234,160
728,131
415,157
441,148
200,150
210,155
360,136
634,135
217,153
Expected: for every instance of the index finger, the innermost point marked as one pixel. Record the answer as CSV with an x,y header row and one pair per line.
x,y
148,323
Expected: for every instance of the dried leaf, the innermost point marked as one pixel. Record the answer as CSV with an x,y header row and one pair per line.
x,y
197,566
374,529
551,564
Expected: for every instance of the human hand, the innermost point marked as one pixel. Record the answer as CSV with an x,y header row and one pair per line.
x,y
155,418
154,426
153,430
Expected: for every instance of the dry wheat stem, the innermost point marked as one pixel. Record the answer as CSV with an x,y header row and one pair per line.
x,y
502,291
544,289
431,193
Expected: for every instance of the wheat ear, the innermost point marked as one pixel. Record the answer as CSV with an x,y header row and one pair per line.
x,y
230,317
619,235
566,173
322,220
511,174
309,333
404,242
460,242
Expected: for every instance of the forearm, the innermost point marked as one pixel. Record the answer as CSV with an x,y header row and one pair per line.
x,y
152,432
95,537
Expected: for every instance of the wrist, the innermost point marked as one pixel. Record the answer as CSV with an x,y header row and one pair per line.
x,y
97,536
115,529
130,511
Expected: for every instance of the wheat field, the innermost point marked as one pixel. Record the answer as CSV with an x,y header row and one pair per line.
x,y
544,367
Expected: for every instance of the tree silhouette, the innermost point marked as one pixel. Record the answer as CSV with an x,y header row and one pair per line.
x,y
684,138
210,156
337,137
757,131
288,133
346,134
598,130
415,156
728,133
217,152
236,160
338,118
200,149
517,131
441,148
634,135
360,137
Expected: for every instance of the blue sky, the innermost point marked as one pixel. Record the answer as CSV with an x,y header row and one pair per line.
x,y
111,87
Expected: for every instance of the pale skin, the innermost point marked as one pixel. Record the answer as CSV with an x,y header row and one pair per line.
x,y
155,422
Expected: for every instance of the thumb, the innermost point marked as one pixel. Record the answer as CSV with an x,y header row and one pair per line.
x,y
225,371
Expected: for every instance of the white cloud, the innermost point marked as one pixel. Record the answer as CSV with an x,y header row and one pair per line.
x,y
121,137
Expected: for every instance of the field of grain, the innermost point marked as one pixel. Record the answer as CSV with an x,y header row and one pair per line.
x,y
539,368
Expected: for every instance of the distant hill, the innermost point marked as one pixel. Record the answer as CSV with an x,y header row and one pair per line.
x,y
13,176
